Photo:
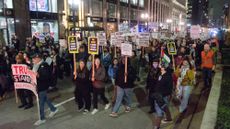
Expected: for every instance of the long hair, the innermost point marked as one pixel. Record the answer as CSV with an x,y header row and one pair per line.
x,y
186,58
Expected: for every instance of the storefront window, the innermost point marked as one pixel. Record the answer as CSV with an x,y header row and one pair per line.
x,y
7,28
6,4
141,3
97,8
111,10
123,12
133,14
125,1
41,29
43,5
134,2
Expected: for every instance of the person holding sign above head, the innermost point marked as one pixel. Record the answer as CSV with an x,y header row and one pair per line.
x,y
98,79
82,89
41,68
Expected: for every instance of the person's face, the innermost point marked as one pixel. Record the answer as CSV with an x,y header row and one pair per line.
x,y
182,50
36,60
206,47
82,65
155,64
97,62
185,63
115,62
153,49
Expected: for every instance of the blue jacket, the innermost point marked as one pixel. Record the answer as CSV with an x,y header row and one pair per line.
x,y
112,71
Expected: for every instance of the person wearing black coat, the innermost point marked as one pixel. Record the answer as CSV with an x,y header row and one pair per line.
x,y
82,89
124,89
163,90
151,82
42,71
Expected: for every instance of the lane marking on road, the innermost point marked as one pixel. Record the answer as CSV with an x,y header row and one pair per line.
x,y
66,101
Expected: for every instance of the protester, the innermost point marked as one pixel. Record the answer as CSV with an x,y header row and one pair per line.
x,y
208,64
3,77
151,82
124,88
185,83
98,79
43,74
163,89
82,89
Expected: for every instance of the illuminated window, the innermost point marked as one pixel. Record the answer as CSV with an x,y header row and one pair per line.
x,y
43,5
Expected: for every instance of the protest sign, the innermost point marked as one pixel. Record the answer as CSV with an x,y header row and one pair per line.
x,y
101,38
73,45
143,39
126,49
93,46
195,32
120,39
171,48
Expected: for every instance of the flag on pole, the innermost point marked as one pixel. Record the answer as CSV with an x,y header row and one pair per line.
x,y
164,57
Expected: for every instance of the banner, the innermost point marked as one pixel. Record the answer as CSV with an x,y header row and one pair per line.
x,y
102,38
93,46
73,45
126,49
195,32
24,78
143,39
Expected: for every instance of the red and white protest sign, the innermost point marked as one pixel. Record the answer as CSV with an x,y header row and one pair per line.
x,y
24,78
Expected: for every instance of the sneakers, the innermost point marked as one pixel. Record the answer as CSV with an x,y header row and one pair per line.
x,y
79,110
165,121
113,114
85,111
127,109
94,111
53,113
39,122
107,106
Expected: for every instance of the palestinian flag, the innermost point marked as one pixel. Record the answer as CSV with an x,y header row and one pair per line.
x,y
164,57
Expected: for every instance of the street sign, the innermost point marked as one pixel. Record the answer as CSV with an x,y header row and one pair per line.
x,y
73,44
126,49
93,46
101,38
171,48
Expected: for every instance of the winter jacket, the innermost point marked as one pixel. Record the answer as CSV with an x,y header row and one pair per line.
x,y
100,76
164,84
43,80
112,71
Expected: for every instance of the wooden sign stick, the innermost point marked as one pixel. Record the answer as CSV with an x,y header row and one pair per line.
x,y
126,71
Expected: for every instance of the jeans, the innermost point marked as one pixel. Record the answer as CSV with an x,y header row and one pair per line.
x,y
122,94
185,92
207,74
159,110
42,100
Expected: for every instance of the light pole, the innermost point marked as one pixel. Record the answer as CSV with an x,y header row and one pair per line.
x,y
146,17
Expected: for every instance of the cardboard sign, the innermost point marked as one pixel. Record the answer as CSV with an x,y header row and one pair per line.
x,y
126,49
120,38
24,78
113,39
73,45
195,32
143,39
93,46
171,48
102,38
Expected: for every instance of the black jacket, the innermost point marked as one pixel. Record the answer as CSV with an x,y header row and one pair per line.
x,y
44,78
164,85
82,80
152,79
120,77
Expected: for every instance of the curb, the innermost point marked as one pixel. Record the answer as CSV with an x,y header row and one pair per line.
x,y
210,114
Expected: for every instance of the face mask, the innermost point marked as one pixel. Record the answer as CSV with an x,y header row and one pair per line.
x,y
155,65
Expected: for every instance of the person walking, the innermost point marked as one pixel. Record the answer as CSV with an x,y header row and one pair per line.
x,y
98,80
41,68
207,65
124,89
186,78
163,89
82,89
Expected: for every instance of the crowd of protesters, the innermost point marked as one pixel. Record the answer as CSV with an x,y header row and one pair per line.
x,y
162,79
